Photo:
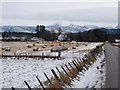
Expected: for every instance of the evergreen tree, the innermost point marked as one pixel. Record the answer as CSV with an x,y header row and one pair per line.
x,y
37,31
59,31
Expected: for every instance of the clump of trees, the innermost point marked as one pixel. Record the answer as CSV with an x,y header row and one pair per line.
x,y
41,32
95,35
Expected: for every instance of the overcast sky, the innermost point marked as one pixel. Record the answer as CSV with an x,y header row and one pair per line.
x,y
65,13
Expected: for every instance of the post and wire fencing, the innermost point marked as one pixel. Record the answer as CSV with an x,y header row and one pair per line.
x,y
64,75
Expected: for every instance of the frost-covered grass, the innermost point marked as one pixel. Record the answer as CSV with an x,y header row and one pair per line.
x,y
94,77
15,71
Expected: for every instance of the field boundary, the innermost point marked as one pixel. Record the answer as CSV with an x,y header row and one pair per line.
x,y
68,73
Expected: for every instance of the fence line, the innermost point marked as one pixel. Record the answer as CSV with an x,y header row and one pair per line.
x,y
72,71
28,56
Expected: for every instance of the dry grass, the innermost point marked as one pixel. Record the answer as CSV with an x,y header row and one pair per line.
x,y
73,73
66,79
22,46
55,84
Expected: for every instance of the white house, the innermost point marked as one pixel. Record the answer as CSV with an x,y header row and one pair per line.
x,y
62,37
117,40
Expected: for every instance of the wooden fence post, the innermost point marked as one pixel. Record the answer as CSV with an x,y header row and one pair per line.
x,y
80,63
68,68
61,74
28,85
40,83
84,65
75,65
64,70
47,78
59,53
54,73
71,66
58,70
12,88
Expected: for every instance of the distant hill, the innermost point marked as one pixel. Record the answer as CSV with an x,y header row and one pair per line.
x,y
24,29
111,31
70,28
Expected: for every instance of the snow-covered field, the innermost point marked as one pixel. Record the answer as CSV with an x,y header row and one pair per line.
x,y
15,71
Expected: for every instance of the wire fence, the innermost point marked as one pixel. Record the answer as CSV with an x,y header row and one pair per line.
x,y
69,71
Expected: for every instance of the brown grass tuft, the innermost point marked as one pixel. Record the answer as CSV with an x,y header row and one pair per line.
x,y
65,78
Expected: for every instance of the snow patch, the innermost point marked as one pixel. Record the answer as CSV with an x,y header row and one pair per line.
x,y
94,77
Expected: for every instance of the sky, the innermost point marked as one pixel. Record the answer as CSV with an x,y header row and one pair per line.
x,y
49,12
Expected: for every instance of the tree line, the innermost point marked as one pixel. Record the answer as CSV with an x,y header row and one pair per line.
x,y
94,35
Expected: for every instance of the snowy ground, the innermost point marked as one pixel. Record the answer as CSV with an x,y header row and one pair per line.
x,y
15,71
94,77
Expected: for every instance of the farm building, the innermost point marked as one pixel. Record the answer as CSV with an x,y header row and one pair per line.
x,y
63,37
36,39
117,40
